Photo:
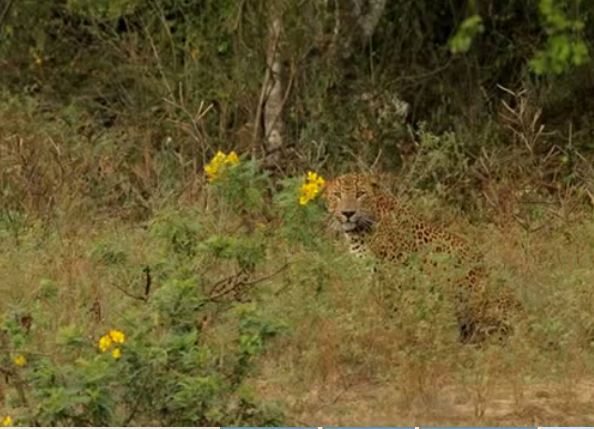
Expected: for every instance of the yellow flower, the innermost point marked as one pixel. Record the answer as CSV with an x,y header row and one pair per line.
x,y
311,187
105,343
212,168
7,421
315,178
215,168
117,336
116,353
20,360
232,158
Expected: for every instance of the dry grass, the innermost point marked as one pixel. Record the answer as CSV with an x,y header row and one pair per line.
x,y
345,359
352,364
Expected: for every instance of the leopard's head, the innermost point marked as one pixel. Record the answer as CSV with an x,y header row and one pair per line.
x,y
351,202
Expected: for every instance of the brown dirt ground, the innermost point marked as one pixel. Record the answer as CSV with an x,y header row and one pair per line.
x,y
561,404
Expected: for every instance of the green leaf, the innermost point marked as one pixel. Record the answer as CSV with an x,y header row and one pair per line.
x,y
461,41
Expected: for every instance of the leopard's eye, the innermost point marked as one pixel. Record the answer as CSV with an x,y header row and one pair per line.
x,y
336,194
360,194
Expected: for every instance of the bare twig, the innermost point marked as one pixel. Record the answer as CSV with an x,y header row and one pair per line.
x,y
424,75
526,226
235,282
147,286
129,294
267,277
523,119
4,13
159,63
195,128
376,161
165,27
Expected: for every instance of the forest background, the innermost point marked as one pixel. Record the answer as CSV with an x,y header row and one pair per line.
x,y
480,111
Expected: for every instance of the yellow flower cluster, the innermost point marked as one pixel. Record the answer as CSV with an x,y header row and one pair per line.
x,y
112,337
217,165
19,360
311,187
7,421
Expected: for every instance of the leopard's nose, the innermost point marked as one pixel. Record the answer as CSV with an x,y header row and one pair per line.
x,y
348,214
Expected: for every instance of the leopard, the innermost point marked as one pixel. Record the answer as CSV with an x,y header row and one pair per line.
x,y
376,224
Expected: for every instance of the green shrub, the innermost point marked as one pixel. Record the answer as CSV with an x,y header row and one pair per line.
x,y
155,361
565,46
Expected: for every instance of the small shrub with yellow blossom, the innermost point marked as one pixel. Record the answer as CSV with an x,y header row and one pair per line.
x,y
219,164
158,363
239,183
155,366
311,187
299,207
113,337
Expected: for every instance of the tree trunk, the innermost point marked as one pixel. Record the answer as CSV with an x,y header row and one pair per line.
x,y
355,24
270,108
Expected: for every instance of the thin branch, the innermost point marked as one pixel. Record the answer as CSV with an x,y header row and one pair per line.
x,y
159,63
427,74
5,11
131,295
164,25
240,283
376,161
267,277
147,286
194,129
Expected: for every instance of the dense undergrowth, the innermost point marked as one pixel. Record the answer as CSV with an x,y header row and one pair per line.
x,y
234,296
237,304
